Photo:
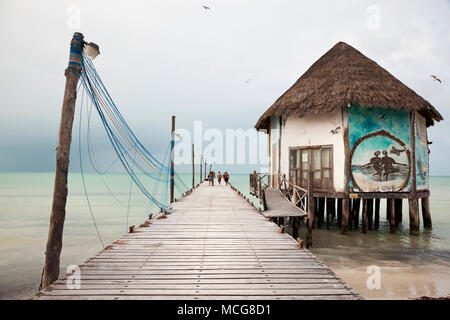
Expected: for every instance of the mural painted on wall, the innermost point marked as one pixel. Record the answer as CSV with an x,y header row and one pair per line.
x,y
421,153
379,144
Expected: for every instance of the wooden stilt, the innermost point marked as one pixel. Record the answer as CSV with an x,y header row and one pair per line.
x,y
193,167
172,168
398,211
330,211
377,213
295,223
391,204
364,216
311,206
356,206
413,216
370,214
339,211
388,210
320,211
345,215
426,214
350,215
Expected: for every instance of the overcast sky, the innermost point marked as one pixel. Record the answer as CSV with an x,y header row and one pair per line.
x,y
166,57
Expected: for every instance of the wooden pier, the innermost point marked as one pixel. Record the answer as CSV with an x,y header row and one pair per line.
x,y
213,245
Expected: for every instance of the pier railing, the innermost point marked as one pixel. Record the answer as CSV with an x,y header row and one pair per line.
x,y
258,187
297,195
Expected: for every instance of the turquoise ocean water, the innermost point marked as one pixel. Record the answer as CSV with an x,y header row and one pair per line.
x,y
25,203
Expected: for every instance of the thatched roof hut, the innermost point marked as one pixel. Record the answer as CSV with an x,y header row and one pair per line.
x,y
344,75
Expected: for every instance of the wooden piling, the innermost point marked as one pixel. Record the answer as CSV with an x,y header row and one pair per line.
x,y
370,214
364,217
201,171
345,215
398,211
377,213
330,211
339,211
58,214
413,216
311,208
295,225
391,204
320,211
350,216
355,212
426,214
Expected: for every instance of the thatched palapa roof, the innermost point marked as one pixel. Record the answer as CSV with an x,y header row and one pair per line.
x,y
344,75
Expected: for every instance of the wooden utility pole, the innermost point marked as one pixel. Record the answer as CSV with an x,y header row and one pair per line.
x,y
57,217
172,169
193,167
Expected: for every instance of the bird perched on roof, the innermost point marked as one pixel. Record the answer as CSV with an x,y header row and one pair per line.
x,y
207,8
335,131
436,79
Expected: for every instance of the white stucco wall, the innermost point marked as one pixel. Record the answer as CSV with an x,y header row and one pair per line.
x,y
312,130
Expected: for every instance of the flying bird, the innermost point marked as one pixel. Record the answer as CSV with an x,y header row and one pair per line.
x,y
248,81
335,131
382,117
207,8
436,79
396,151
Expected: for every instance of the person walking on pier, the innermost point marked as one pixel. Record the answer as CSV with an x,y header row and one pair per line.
x,y
219,178
226,177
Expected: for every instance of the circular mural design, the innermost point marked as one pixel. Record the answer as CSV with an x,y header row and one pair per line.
x,y
380,162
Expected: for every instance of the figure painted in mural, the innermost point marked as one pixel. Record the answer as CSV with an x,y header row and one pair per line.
x,y
388,165
376,163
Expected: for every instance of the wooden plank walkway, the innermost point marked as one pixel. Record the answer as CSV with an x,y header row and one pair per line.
x,y
214,245
279,206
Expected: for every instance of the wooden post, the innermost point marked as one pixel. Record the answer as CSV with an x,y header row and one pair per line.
x,y
330,210
370,213
388,210
58,214
339,211
201,170
355,209
364,216
310,206
320,211
295,223
398,211
193,167
350,216
413,216
205,170
426,215
391,204
345,215
172,169
377,213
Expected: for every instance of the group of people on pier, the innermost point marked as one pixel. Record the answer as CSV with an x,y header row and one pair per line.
x,y
212,176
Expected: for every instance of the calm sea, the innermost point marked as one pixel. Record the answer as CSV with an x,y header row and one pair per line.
x,y
25,203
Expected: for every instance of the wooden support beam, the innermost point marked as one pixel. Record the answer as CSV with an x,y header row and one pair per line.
x,y
413,216
364,217
58,214
331,204
388,209
339,211
426,214
295,226
345,215
377,213
350,216
320,211
355,211
391,204
193,167
370,214
398,211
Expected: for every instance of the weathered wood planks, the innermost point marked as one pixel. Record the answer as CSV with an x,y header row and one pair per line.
x,y
214,245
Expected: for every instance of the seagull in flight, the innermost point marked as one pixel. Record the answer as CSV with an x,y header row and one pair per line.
x,y
436,79
207,8
248,81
